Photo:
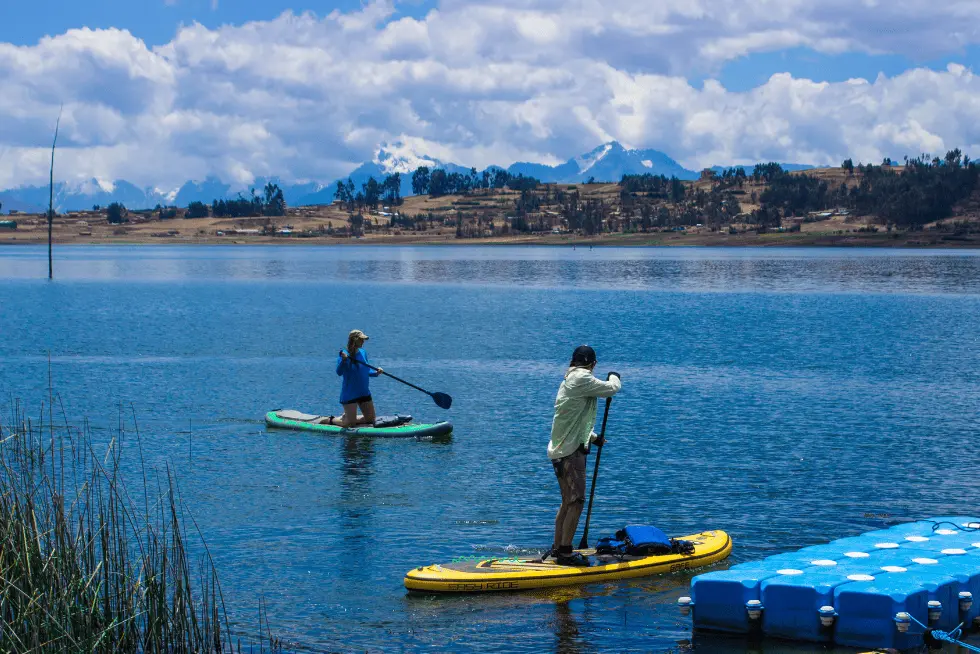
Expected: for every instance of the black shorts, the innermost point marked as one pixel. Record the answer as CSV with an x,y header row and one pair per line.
x,y
358,400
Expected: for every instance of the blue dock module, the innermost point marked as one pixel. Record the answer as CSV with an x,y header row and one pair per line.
x,y
728,600
863,591
942,588
967,573
866,612
793,603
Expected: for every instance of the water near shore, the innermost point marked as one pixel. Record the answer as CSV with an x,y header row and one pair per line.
x,y
787,396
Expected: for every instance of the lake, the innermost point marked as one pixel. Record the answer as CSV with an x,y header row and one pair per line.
x,y
787,396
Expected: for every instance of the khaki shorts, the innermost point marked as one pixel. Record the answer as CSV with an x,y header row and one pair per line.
x,y
570,471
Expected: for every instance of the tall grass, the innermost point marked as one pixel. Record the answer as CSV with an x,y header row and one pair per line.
x,y
84,566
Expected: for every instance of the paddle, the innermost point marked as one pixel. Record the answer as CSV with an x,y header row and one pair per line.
x,y
442,400
584,543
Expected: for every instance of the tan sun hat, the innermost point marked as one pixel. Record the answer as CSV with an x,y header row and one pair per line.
x,y
357,333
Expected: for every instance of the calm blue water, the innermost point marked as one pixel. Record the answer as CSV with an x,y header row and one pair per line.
x,y
787,396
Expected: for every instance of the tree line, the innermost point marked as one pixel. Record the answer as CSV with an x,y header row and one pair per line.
x,y
434,182
437,182
271,203
924,190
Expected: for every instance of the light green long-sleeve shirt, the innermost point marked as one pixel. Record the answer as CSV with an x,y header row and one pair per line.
x,y
575,409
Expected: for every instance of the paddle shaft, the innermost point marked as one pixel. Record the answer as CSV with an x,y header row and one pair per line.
x,y
399,379
584,543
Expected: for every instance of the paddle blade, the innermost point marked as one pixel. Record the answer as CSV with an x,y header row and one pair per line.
x,y
443,401
583,544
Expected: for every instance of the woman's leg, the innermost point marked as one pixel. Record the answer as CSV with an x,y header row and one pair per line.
x,y
349,419
367,408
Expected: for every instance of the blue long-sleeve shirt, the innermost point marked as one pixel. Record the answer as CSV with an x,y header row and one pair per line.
x,y
355,376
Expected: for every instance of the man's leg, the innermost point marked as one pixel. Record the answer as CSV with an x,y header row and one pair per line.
x,y
573,512
560,516
573,501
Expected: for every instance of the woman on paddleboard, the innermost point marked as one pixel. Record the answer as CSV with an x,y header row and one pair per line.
x,y
571,433
355,390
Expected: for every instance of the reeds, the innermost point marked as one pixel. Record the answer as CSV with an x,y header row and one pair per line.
x,y
85,567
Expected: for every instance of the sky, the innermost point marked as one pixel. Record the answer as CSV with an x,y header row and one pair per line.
x,y
161,91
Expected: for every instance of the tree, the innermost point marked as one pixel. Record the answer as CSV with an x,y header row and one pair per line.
x,y
420,181
676,190
392,189
848,165
522,183
438,183
116,214
356,224
196,210
767,172
345,194
275,203
372,192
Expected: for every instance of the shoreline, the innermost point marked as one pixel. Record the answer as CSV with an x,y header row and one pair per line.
x,y
915,240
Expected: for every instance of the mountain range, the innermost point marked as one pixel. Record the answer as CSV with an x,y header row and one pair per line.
x,y
606,163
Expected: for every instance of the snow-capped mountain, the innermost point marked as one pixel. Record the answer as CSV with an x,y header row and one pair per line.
x,y
400,158
391,158
606,163
74,196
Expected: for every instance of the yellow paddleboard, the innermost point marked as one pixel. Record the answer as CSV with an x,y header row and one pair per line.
x,y
504,574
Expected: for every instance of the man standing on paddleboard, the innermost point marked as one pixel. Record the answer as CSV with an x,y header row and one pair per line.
x,y
571,432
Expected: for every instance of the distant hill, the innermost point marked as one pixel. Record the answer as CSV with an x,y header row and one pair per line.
x,y
84,195
788,167
606,163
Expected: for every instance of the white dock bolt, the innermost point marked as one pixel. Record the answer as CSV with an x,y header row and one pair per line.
x,y
935,610
754,609
966,600
902,621
827,615
685,604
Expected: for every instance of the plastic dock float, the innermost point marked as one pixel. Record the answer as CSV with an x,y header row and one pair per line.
x,y
894,588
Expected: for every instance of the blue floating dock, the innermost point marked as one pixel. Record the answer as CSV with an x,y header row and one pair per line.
x,y
883,589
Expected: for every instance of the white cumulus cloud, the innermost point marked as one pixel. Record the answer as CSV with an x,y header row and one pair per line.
x,y
309,97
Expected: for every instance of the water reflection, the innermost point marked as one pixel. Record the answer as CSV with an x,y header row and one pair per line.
x,y
686,269
356,508
568,639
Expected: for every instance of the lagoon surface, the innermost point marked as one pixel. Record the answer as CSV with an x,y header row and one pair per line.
x,y
788,396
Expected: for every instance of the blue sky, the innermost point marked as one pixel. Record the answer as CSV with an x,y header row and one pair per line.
x,y
155,21
238,89
753,70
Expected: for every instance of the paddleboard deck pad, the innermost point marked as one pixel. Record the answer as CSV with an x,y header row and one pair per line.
x,y
400,426
510,574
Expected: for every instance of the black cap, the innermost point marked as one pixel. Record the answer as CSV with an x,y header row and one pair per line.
x,y
583,356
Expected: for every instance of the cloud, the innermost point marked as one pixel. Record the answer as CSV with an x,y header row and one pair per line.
x,y
309,97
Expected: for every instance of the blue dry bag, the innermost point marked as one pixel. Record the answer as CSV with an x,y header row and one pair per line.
x,y
643,540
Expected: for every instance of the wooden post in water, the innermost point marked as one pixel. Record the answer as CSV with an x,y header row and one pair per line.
x,y
51,196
